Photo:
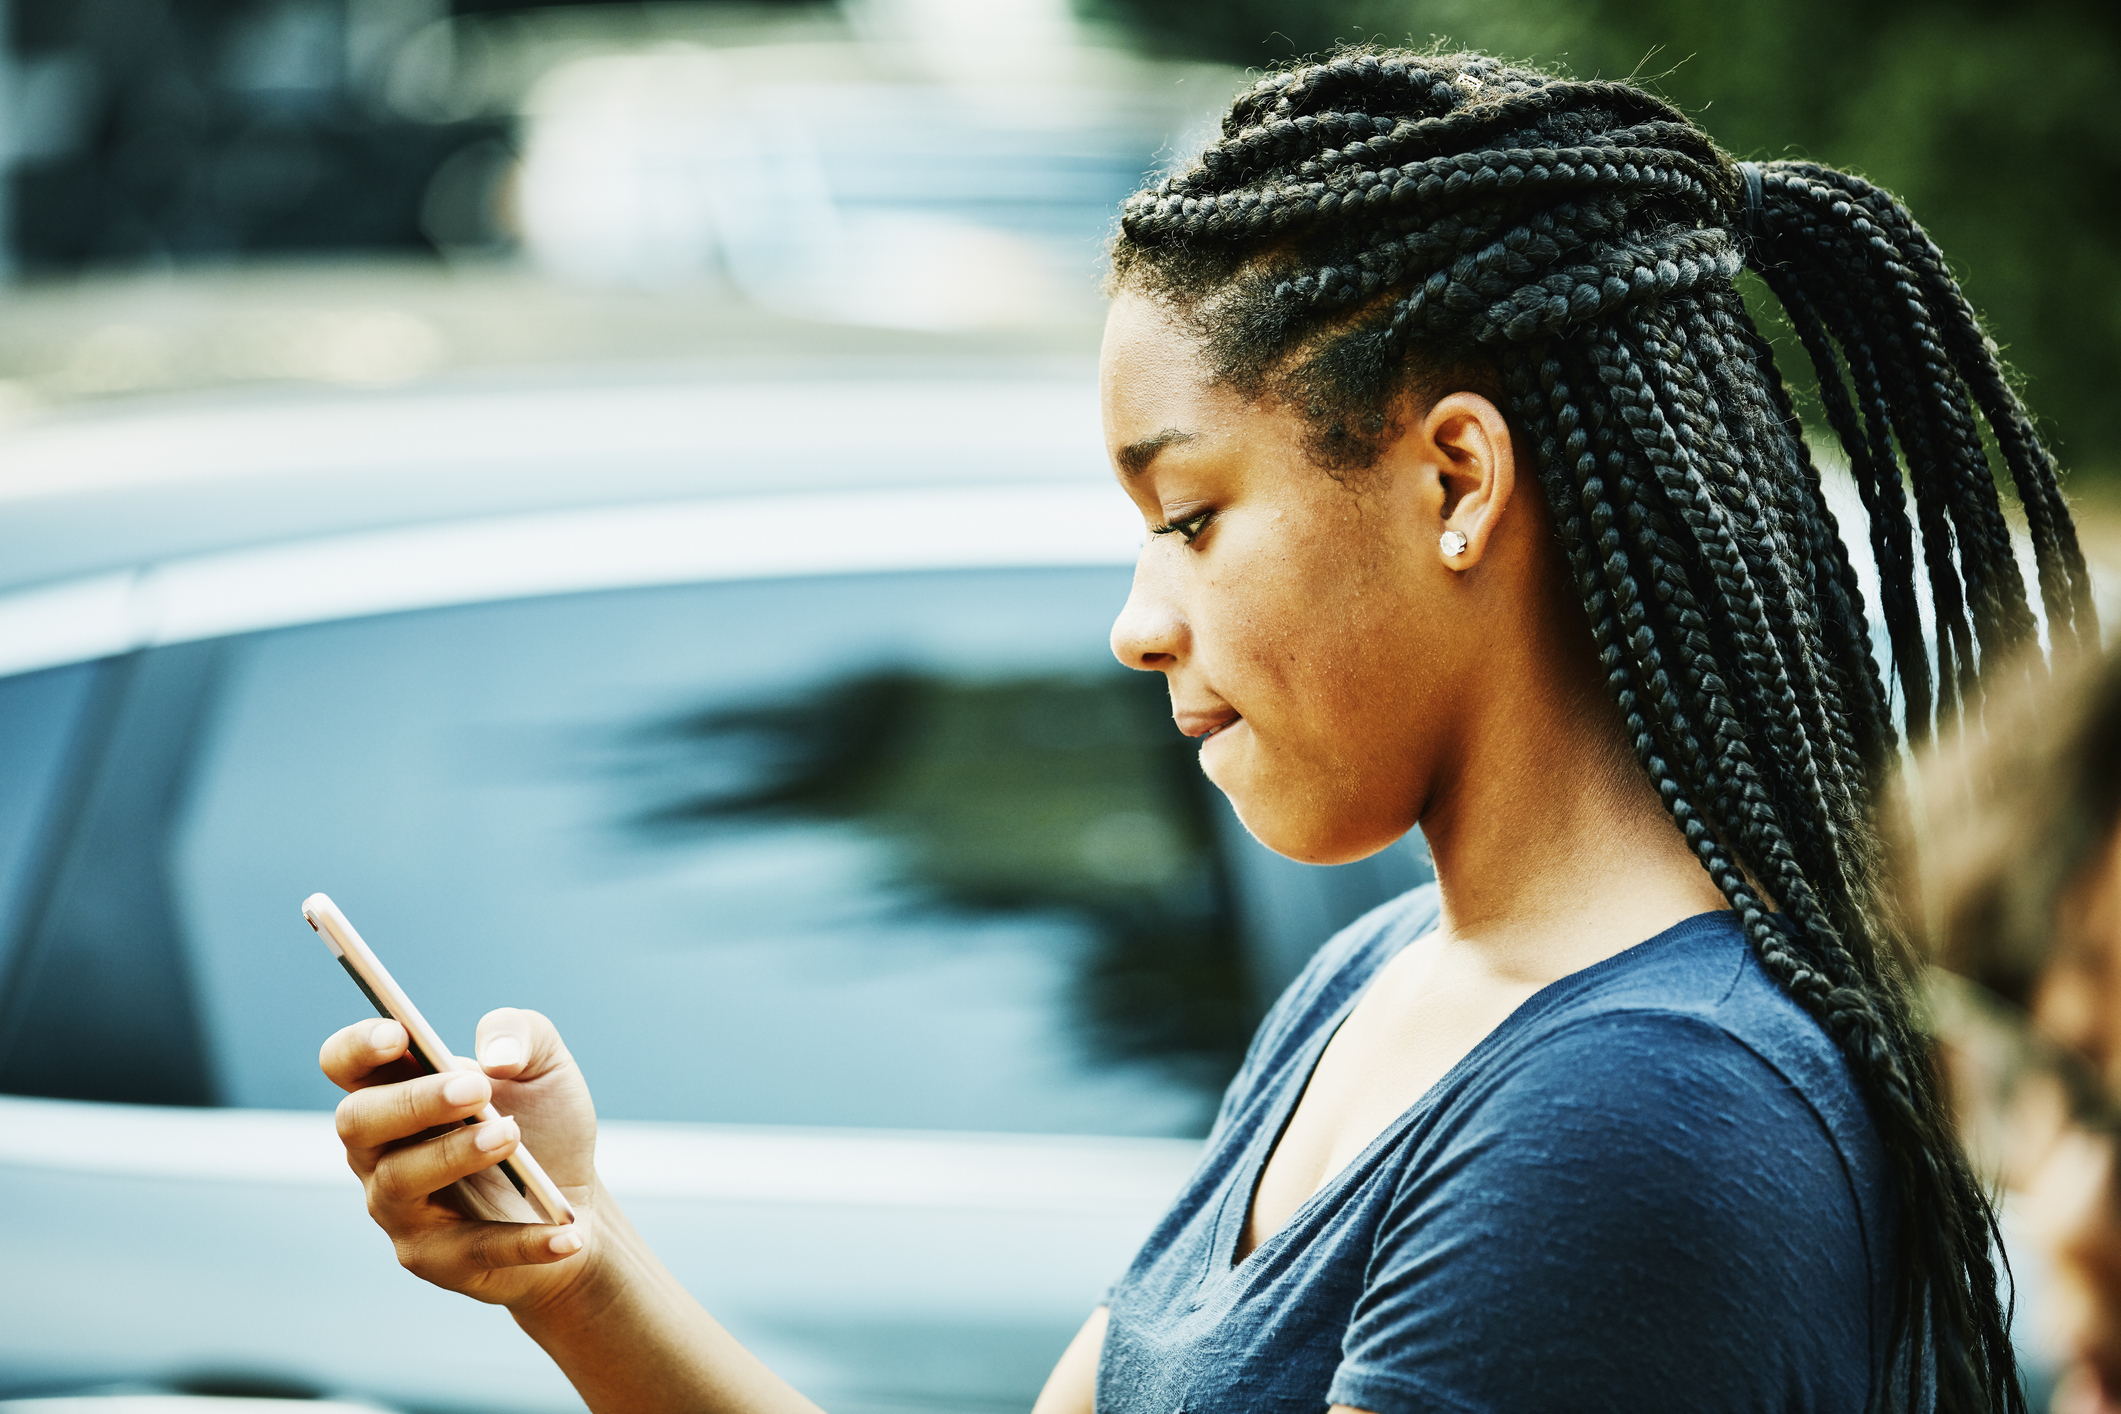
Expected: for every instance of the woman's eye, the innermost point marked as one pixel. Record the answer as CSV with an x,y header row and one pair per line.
x,y
1190,527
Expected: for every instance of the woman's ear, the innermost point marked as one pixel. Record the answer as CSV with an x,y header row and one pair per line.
x,y
1464,441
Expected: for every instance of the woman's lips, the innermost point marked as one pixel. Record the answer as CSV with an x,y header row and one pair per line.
x,y
1205,724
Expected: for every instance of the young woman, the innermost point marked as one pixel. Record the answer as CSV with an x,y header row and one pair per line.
x,y
1476,501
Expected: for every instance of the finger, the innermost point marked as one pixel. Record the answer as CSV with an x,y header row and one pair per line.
x,y
514,1044
411,1174
447,1255
354,1056
379,1115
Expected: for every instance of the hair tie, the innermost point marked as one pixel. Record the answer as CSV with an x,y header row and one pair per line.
x,y
1755,233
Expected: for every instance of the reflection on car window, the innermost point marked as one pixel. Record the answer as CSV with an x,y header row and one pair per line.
x,y
38,716
97,1003
1063,798
901,850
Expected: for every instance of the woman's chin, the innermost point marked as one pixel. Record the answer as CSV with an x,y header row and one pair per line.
x,y
1222,748
1283,814
1231,759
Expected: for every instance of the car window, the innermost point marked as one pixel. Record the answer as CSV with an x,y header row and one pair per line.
x,y
902,850
39,715
97,1002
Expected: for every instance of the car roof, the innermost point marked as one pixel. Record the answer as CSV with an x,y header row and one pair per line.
x,y
169,524
114,487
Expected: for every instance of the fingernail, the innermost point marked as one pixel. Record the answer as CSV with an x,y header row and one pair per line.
x,y
566,1244
503,1051
384,1035
494,1134
466,1089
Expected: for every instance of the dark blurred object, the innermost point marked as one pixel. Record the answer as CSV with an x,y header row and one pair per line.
x,y
164,129
1995,123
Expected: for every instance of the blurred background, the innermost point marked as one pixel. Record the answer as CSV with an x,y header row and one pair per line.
x,y
363,191
545,433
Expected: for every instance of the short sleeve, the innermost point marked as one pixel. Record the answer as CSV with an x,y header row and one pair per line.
x,y
1642,1216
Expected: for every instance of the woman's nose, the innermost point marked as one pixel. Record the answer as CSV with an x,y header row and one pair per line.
x,y
1150,633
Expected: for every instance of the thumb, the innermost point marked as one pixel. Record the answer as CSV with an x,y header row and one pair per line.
x,y
514,1044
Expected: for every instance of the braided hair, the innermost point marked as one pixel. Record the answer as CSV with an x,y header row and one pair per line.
x,y
1369,227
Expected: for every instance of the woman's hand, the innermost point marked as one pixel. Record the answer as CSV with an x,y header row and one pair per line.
x,y
403,1141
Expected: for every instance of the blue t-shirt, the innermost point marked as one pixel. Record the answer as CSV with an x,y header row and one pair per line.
x,y
1654,1187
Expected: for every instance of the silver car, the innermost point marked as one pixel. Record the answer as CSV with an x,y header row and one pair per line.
x,y
763,734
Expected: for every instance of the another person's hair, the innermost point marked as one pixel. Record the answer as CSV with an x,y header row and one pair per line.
x,y
1376,229
2011,821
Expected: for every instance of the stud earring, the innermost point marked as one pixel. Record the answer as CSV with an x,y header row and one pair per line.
x,y
1453,542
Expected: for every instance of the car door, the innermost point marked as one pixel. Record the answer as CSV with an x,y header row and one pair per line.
x,y
904,946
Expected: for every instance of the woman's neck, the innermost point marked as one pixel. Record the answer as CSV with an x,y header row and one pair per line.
x,y
1552,849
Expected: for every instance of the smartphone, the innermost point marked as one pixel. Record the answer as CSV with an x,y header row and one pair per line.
x,y
515,1190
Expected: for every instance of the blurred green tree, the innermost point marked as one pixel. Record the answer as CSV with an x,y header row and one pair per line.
x,y
1998,123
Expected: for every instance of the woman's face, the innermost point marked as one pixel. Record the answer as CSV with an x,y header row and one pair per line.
x,y
1310,628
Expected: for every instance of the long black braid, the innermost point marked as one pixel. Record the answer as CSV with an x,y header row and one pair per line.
x,y
1373,226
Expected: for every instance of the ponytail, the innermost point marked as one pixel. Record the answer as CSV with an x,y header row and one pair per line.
x,y
1903,364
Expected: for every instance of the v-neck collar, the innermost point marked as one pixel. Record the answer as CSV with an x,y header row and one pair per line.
x,y
1260,1150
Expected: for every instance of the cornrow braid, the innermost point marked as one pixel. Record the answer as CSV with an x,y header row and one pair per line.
x,y
1369,225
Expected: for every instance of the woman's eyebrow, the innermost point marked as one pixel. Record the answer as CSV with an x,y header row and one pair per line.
x,y
1134,458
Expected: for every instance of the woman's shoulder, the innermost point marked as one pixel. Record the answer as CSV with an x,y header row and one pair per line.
x,y
1696,988
1680,1040
1654,1130
1680,1074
